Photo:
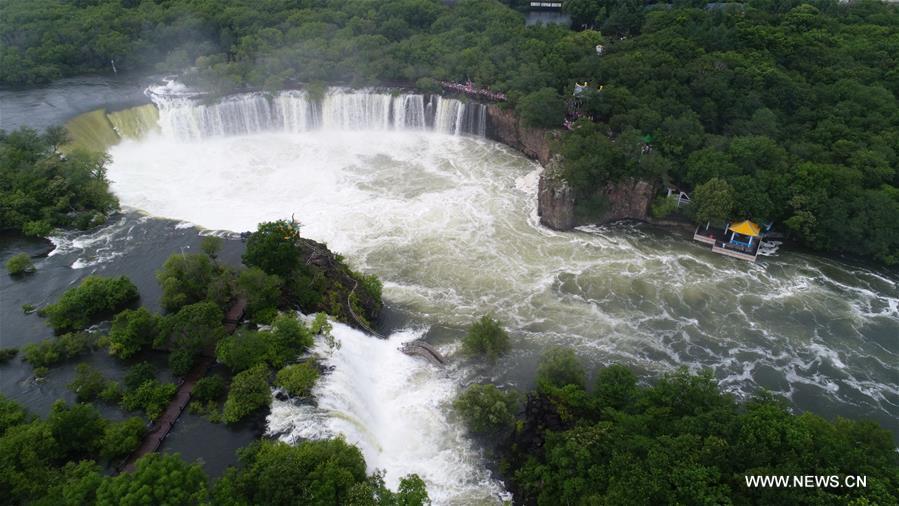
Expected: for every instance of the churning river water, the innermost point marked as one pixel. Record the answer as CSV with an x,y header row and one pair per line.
x,y
447,219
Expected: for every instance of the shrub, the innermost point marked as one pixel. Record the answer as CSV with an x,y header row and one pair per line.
x,y
131,331
55,350
7,354
298,379
486,337
88,383
121,438
19,264
28,308
94,298
663,206
249,392
560,367
111,393
487,409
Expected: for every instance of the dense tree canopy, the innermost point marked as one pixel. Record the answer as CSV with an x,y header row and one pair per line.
x,y
40,189
682,441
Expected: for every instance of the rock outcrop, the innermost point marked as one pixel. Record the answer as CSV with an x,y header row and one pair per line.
x,y
628,199
505,126
555,198
343,294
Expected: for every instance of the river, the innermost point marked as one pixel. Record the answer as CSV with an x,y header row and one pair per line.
x,y
406,189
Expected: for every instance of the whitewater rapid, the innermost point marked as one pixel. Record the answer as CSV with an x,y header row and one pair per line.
x,y
392,406
449,223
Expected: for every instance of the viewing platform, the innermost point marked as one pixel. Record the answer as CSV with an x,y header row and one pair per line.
x,y
739,240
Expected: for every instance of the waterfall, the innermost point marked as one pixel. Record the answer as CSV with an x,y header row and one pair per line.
x,y
186,117
395,408
455,117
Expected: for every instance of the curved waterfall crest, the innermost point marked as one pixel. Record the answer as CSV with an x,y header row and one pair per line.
x,y
185,117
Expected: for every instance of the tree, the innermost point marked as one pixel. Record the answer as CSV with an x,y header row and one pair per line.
x,y
261,290
486,337
273,248
77,429
312,472
121,438
88,383
211,246
185,280
94,298
19,264
151,397
616,387
54,350
543,108
189,331
298,379
11,414
560,367
288,339
210,388
713,201
249,392
487,409
132,331
243,350
159,478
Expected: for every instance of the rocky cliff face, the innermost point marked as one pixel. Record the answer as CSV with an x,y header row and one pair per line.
x,y
555,198
625,200
504,126
628,199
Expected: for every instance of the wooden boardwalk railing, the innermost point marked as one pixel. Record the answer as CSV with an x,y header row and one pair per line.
x,y
163,425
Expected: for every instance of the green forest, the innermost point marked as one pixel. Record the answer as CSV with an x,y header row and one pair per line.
x,y
780,112
678,441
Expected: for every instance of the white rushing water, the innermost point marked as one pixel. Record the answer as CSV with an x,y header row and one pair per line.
x,y
449,223
187,117
392,407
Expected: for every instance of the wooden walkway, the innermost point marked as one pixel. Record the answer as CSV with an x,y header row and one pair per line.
x,y
164,424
